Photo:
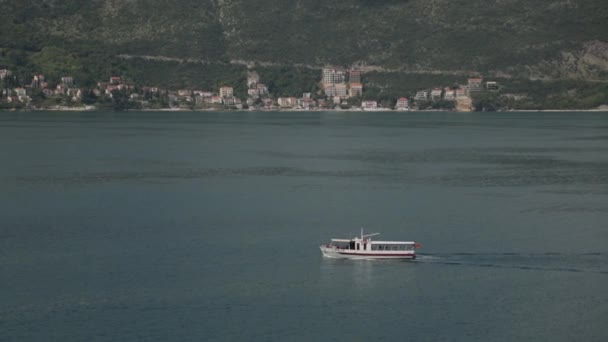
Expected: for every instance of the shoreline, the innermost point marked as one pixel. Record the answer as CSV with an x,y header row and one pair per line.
x,y
358,110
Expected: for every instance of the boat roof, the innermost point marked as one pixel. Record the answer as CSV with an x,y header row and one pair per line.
x,y
378,242
393,242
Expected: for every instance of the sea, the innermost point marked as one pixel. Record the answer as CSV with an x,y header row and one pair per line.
x,y
187,226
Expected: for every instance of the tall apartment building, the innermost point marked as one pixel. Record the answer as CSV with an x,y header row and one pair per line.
x,y
333,76
354,76
328,76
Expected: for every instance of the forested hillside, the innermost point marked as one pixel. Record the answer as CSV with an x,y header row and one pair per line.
x,y
541,39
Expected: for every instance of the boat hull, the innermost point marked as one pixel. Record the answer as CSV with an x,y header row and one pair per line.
x,y
338,253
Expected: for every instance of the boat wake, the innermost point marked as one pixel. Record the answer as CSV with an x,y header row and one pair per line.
x,y
594,262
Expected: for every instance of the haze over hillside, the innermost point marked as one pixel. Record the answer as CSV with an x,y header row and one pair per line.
x,y
520,38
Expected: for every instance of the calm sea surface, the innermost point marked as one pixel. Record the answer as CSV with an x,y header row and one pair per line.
x,y
206,226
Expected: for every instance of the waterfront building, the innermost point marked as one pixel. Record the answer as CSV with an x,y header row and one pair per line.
x,y
436,94
306,103
230,101
226,92
268,103
75,94
449,94
287,102
402,104
369,105
356,89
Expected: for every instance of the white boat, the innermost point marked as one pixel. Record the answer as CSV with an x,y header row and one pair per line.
x,y
362,247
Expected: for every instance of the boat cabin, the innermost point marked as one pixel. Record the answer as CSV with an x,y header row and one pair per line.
x,y
368,245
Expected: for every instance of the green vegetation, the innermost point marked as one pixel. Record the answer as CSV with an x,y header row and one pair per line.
x,y
441,35
536,95
432,43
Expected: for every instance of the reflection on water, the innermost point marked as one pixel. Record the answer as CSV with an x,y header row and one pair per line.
x,y
364,274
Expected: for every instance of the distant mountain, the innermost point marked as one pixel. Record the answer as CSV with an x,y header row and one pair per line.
x,y
512,38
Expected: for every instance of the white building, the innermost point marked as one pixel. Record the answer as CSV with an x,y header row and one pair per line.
x,y
422,95
475,85
328,76
449,94
402,104
369,105
492,86
226,92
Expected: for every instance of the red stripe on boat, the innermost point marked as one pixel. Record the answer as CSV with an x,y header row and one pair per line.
x,y
375,254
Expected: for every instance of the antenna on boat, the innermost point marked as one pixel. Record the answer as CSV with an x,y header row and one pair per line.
x,y
367,235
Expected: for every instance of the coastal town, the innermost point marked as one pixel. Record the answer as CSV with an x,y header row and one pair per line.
x,y
339,89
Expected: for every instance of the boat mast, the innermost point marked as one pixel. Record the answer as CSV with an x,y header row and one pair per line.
x,y
367,235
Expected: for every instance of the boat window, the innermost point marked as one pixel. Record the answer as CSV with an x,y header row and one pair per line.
x,y
342,245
